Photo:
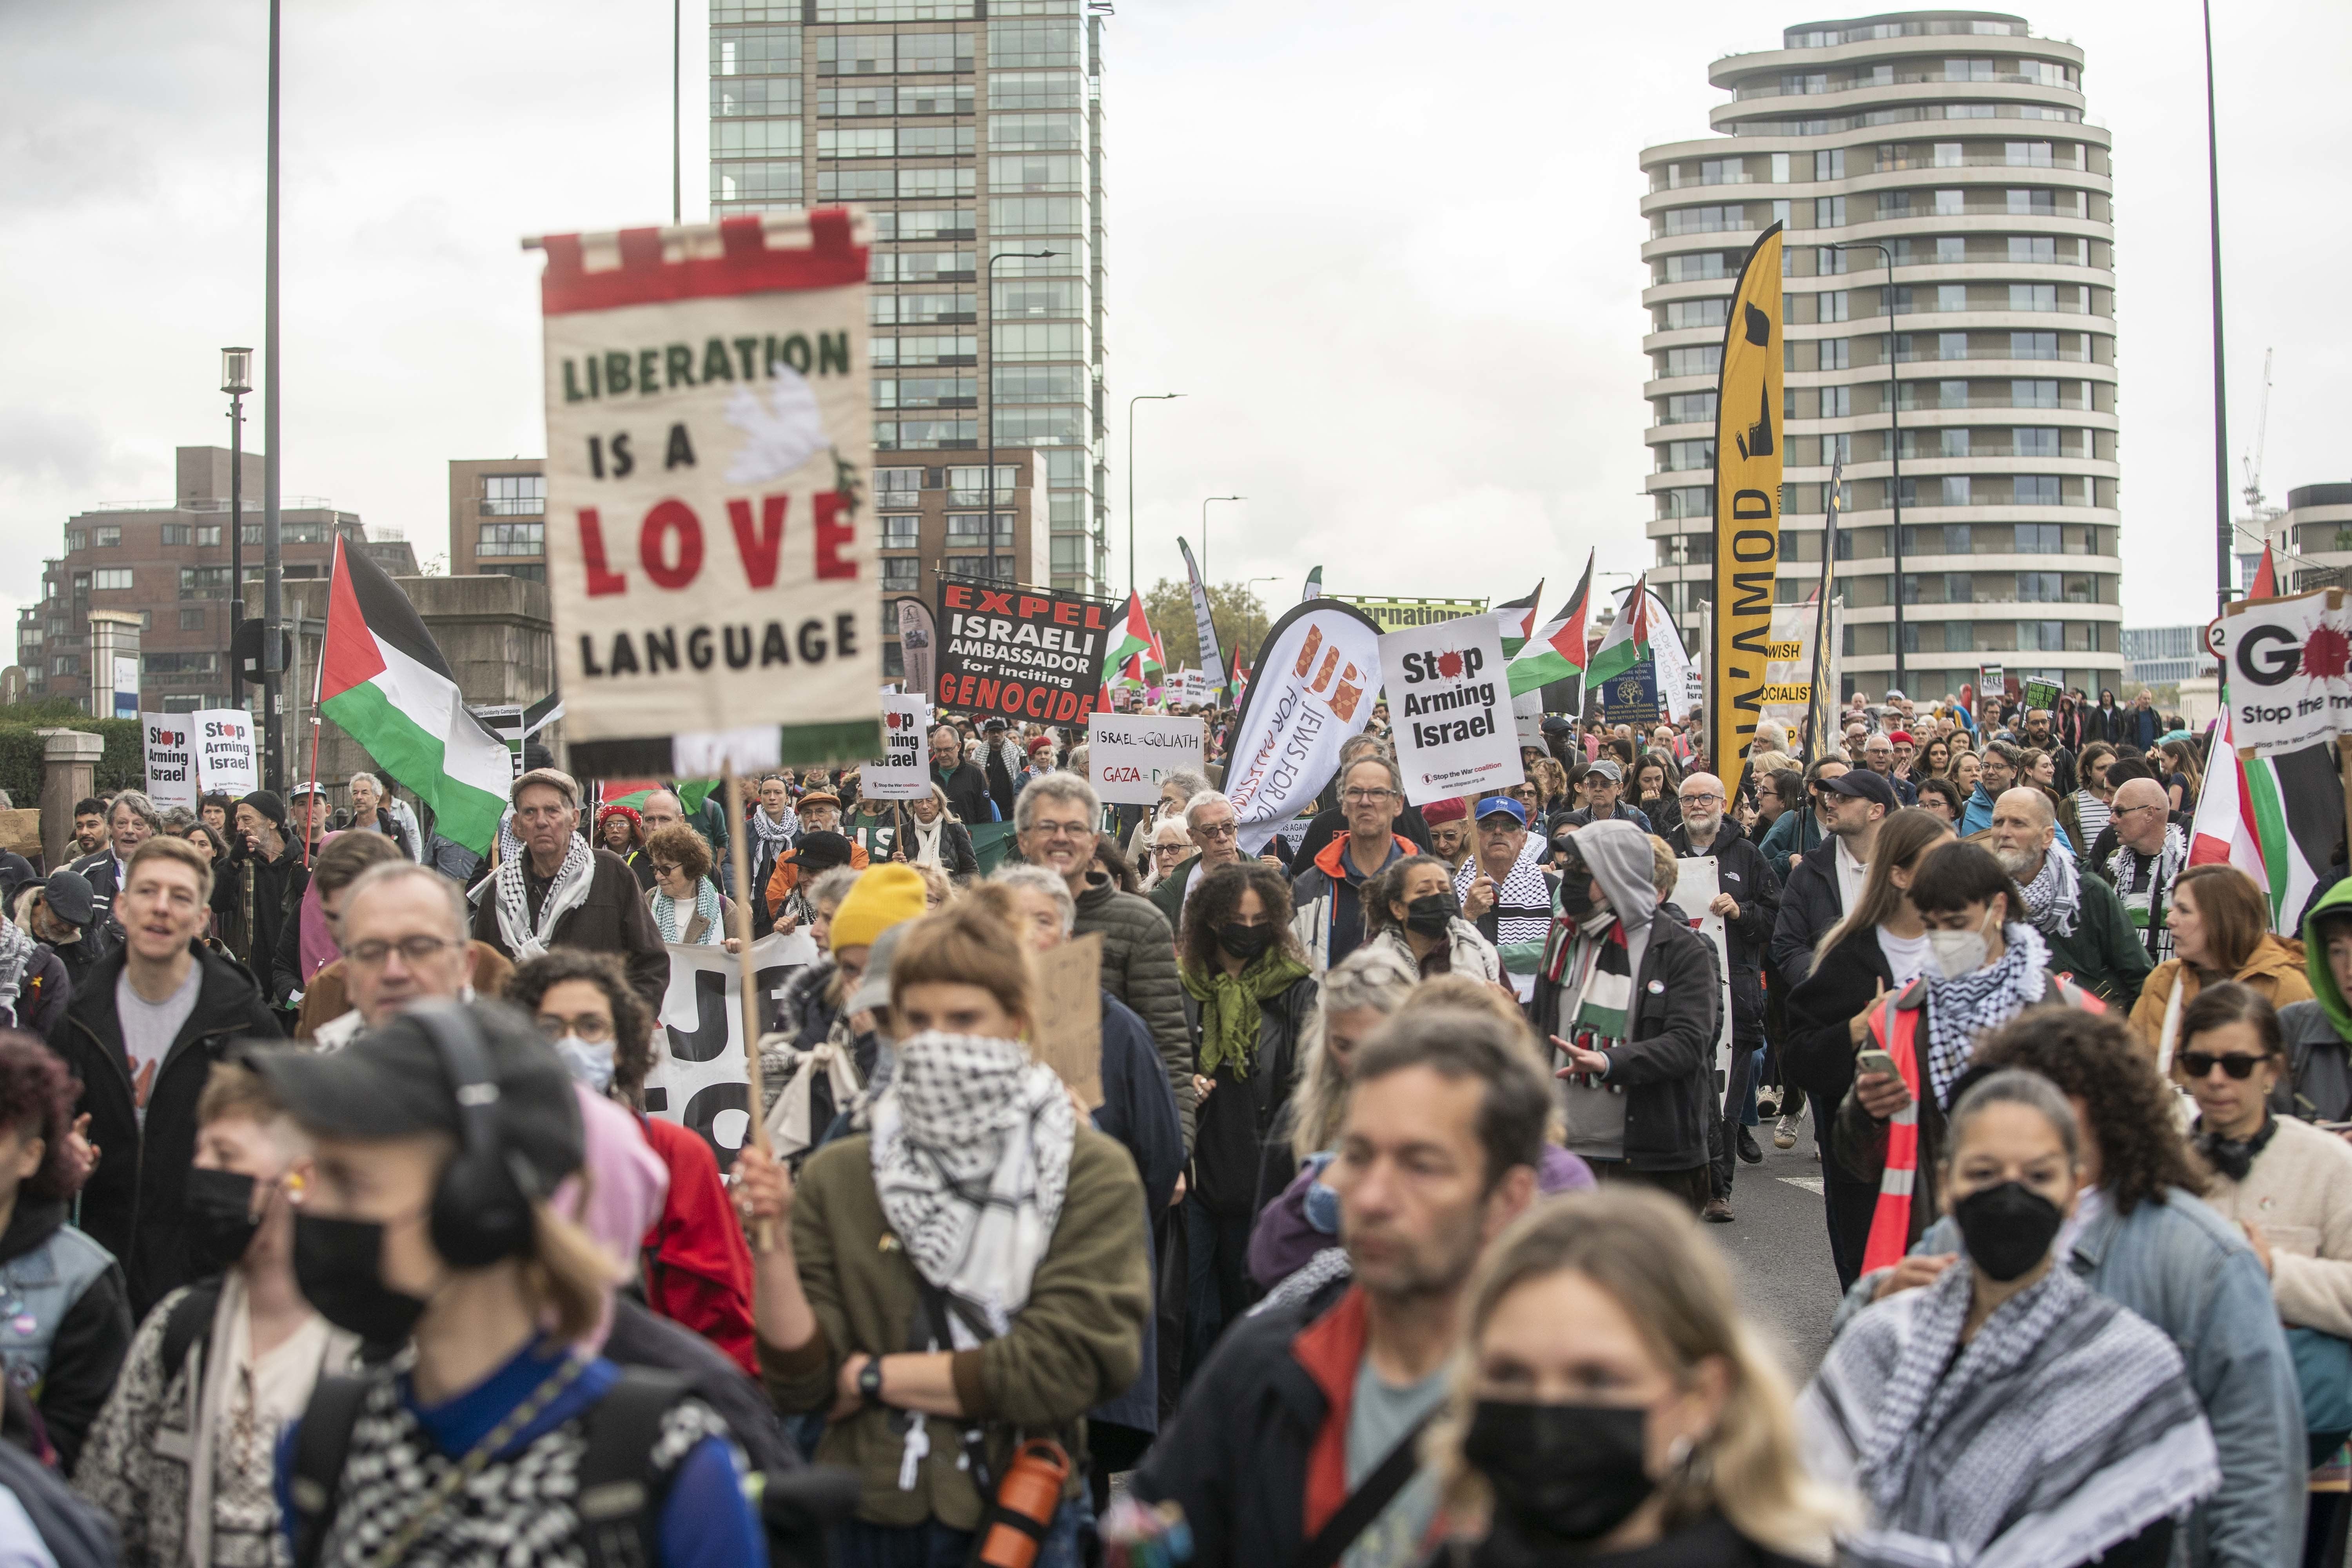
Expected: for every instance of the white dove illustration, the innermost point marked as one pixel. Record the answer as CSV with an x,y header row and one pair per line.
x,y
779,435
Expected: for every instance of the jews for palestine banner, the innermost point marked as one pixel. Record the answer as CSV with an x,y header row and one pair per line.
x,y
1747,458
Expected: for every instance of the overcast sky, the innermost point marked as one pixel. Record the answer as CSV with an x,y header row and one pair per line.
x,y
1389,252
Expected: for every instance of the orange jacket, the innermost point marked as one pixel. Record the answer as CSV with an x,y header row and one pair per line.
x,y
787,875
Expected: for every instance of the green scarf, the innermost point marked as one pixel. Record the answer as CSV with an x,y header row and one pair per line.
x,y
1229,1006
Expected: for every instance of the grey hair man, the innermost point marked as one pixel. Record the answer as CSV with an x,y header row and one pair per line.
x,y
1327,893
405,939
560,892
2152,852
2082,922
1214,828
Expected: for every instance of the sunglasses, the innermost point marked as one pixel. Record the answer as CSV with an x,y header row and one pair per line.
x,y
2199,1064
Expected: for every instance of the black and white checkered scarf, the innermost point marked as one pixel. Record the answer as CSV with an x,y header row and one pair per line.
x,y
971,1159
565,892
1960,1009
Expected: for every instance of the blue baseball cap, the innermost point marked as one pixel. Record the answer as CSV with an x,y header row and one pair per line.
x,y
1502,805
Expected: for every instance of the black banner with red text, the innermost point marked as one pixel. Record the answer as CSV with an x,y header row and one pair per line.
x,y
1031,655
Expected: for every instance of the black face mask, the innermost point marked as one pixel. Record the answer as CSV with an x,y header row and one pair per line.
x,y
1245,943
1432,914
1561,1473
219,1218
1576,894
2007,1228
338,1264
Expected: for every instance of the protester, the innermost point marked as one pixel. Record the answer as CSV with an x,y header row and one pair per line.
x,y
1652,789
1410,911
89,825
1451,838
370,813
1878,757
1328,894
1250,987
2146,1243
61,913
1748,902
963,784
1175,789
773,824
2182,779
620,829
312,964
1797,833
1628,998
2085,812
1942,797
804,1086
2081,921
969,1275
2218,921
1170,845
687,908
2317,1081
1214,829
69,1317
2039,737
934,838
808,1004
2000,771
1053,823
1827,881
404,931
1505,891
2005,1412
692,1262
183,1454
814,853
308,810
493,1293
561,893
141,1037
1611,1406
272,882
131,819
1337,819
1600,800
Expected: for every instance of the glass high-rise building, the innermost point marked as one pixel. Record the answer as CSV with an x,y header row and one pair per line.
x,y
970,129
1956,139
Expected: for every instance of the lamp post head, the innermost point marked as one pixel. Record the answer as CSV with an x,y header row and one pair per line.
x,y
236,370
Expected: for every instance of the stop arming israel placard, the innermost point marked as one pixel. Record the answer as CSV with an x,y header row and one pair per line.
x,y
1130,753
1451,709
900,773
171,759
710,548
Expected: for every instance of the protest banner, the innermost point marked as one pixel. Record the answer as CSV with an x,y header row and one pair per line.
x,y
1034,654
2042,694
226,762
1395,614
1203,626
1696,882
170,744
1451,709
1789,665
709,551
698,1077
1316,672
1130,753
1748,453
918,646
902,771
1629,698
2289,664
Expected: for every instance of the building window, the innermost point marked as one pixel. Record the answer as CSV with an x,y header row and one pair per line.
x,y
2033,345
1681,313
1032,89
756,97
1837,353
763,51
930,54
1692,502
970,529
918,223
2038,539
2032,204
759,182
290,532
978,567
194,533
110,577
1706,360
66,664
926,392
1830,166
759,139
1689,409
2035,441
193,619
1036,133
179,664
2032,394
203,582
1039,172
969,487
2033,247
904,531
528,574
1034,43
1951,345
1036,214
514,495
2042,637
1678,457
1059,426
901,574
105,537
2037,489
511,538
897,487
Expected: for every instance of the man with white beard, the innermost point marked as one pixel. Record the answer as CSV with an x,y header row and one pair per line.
x,y
2081,919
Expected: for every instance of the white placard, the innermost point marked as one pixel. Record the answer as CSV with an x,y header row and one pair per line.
x,y
1451,707
1130,753
225,763
1694,889
902,771
2289,669
171,749
698,1079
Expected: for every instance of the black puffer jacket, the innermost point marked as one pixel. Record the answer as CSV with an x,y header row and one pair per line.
x,y
1138,967
1810,902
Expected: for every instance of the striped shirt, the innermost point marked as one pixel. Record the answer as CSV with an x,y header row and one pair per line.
x,y
2093,813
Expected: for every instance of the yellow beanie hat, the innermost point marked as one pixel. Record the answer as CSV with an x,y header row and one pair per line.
x,y
882,897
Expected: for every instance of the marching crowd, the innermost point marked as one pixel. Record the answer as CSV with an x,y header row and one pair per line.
x,y
342,1222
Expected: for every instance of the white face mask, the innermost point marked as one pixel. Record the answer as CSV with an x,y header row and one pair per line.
x,y
1960,952
591,1066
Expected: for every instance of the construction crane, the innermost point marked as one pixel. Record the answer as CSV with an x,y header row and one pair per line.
x,y
2253,464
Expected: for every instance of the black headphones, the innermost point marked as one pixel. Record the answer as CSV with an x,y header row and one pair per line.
x,y
481,1205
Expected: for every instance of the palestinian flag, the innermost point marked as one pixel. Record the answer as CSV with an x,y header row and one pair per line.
x,y
1557,651
1314,589
1516,620
2275,819
1628,642
383,679
632,793
1135,648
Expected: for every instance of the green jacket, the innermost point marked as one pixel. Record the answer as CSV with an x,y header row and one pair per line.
x,y
2103,955
1078,1342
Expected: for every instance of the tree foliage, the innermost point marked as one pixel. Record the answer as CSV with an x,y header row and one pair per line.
x,y
1237,614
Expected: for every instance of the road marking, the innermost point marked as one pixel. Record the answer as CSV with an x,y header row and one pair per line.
x,y
1810,1184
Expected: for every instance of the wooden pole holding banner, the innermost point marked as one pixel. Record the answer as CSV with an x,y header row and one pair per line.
x,y
738,855
2344,774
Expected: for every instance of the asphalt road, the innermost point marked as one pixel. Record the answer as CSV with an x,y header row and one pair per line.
x,y
1780,1250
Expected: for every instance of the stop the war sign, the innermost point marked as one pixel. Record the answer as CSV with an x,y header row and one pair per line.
x,y
1450,707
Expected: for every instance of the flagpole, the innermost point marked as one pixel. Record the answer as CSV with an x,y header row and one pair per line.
x,y
312,798
756,1135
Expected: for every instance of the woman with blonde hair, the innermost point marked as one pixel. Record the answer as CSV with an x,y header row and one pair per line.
x,y
1611,1406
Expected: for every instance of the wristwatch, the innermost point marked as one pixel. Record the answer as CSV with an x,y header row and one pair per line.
x,y
869,1381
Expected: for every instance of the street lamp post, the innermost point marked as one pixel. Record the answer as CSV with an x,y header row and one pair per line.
x,y
236,380
1893,451
1001,256
1138,397
272,569
1205,578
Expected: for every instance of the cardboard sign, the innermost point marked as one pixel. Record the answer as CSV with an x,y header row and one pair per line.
x,y
226,762
1068,1036
169,743
1026,654
698,1079
20,832
1130,754
1451,707
2042,694
903,770
710,546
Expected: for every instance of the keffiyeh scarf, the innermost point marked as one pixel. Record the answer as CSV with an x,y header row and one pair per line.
x,y
774,838
1960,1010
16,956
2054,900
970,1149
706,907
2145,883
567,892
1522,906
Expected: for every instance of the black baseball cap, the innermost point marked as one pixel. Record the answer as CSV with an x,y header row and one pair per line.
x,y
1556,725
70,897
392,1082
1863,784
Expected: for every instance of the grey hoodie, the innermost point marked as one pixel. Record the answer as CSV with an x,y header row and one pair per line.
x,y
1620,856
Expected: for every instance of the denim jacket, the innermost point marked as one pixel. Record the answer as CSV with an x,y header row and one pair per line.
x,y
2186,1271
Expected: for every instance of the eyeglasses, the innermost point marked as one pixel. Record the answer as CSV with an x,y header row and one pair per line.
x,y
1365,796
2199,1064
2135,810
662,870
1061,829
413,949
1216,830
594,1028
1690,799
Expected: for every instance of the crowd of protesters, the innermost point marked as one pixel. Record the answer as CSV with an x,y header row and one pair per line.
x,y
343,1217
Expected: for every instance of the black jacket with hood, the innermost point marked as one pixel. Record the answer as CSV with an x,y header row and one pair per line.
x,y
2318,1033
132,1204
1810,902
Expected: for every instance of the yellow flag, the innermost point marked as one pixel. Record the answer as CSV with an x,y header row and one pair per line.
x,y
1747,442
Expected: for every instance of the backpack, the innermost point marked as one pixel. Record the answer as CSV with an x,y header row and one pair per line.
x,y
78,1532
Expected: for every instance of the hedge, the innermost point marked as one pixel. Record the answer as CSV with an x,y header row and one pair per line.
x,y
123,766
